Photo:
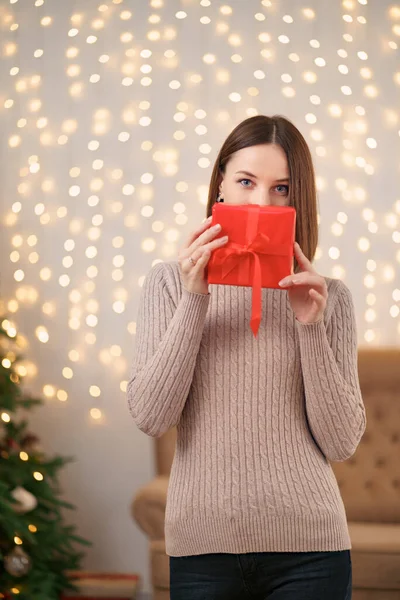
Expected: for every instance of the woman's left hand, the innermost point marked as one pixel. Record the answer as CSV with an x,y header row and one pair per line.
x,y
307,290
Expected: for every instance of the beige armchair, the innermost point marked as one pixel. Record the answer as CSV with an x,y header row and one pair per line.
x,y
369,482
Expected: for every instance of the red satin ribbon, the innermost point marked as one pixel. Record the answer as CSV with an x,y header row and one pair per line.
x,y
234,255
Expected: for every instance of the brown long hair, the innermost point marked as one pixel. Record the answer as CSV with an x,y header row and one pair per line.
x,y
302,190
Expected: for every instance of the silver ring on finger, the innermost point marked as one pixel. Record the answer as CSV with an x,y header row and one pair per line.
x,y
190,259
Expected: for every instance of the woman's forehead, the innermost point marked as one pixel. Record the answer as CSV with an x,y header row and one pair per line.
x,y
261,161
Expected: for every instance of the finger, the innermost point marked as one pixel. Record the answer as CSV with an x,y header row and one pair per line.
x,y
196,252
302,259
304,278
205,237
316,296
197,236
197,232
214,244
200,265
209,234
210,247
202,262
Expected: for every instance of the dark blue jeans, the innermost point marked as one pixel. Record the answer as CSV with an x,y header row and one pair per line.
x,y
262,576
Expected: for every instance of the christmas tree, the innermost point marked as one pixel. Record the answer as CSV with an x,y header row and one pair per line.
x,y
37,549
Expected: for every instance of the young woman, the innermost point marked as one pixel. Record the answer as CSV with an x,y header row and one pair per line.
x,y
253,509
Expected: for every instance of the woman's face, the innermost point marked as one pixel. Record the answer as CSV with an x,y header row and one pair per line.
x,y
257,175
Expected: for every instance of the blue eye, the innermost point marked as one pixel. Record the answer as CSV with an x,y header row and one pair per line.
x,y
242,180
285,189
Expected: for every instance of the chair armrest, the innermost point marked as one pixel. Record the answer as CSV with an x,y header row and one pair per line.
x,y
148,507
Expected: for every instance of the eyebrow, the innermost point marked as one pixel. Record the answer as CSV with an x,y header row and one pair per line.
x,y
255,177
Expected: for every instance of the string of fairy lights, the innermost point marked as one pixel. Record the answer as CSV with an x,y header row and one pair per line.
x,y
138,63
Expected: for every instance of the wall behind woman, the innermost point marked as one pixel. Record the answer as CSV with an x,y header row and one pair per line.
x,y
112,114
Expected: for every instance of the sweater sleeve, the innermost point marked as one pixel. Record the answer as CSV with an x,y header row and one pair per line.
x,y
334,405
168,336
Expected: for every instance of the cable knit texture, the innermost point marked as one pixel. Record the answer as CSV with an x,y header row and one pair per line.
x,y
258,419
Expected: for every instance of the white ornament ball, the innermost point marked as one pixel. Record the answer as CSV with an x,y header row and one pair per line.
x,y
26,500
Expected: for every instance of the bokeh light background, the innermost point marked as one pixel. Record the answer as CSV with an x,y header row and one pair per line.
x,y
112,115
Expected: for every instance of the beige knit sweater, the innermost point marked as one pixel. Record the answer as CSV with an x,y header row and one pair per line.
x,y
258,419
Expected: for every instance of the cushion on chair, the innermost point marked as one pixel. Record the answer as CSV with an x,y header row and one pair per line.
x,y
376,556
148,507
375,537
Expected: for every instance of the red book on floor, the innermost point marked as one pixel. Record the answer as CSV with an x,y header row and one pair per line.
x,y
259,252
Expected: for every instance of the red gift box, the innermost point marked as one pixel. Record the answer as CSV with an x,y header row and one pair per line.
x,y
259,252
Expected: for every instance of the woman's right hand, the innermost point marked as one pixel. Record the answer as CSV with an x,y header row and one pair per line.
x,y
199,247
